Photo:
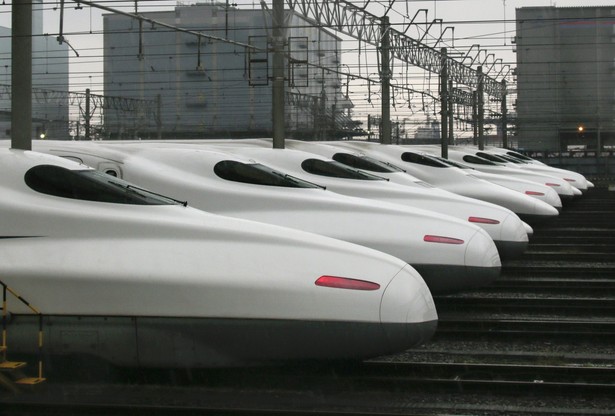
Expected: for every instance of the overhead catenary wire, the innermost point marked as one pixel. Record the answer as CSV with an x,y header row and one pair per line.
x,y
81,75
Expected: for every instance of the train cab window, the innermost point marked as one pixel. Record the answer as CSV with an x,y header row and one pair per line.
x,y
477,160
257,174
90,185
493,158
422,160
365,163
513,159
519,156
336,170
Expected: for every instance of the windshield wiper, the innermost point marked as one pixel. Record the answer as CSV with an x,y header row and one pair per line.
x,y
144,193
297,181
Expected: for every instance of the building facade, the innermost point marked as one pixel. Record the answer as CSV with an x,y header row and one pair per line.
x,y
211,88
566,78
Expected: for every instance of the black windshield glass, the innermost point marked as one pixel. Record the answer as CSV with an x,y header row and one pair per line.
x,y
365,163
422,160
519,156
477,160
493,158
512,159
258,174
336,170
89,185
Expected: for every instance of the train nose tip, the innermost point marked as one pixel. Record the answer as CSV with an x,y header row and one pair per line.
x,y
482,260
528,229
481,251
407,311
514,238
552,198
542,211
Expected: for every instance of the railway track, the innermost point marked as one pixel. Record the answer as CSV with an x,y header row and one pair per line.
x,y
536,342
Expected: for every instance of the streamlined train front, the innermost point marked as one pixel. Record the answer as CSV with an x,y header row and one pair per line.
x,y
137,279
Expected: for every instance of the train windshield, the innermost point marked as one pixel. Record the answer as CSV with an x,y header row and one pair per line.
x,y
90,185
478,160
257,174
422,160
513,159
366,163
493,158
519,156
336,170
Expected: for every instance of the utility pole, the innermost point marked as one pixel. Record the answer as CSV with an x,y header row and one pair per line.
x,y
21,75
385,79
444,101
451,137
158,116
277,102
481,109
504,116
87,115
474,118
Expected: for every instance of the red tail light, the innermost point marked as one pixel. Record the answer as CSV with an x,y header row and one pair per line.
x,y
481,220
442,240
346,283
569,180
552,184
534,193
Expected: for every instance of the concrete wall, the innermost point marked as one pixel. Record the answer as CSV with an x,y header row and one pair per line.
x,y
565,77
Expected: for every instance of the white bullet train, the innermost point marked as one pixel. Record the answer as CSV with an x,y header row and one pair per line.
x,y
481,162
575,179
140,280
488,216
437,173
515,182
449,254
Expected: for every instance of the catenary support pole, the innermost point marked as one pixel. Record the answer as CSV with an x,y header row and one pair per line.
x,y
504,116
385,79
451,113
278,74
474,118
444,102
87,117
481,110
21,75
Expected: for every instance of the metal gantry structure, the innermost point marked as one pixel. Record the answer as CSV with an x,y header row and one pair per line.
x,y
359,24
346,18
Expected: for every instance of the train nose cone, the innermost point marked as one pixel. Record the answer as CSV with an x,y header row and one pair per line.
x,y
552,198
528,229
482,252
407,311
540,211
513,238
482,262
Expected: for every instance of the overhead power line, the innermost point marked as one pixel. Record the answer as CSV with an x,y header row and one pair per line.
x,y
364,26
142,18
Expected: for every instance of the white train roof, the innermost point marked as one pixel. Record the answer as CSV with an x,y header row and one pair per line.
x,y
73,254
